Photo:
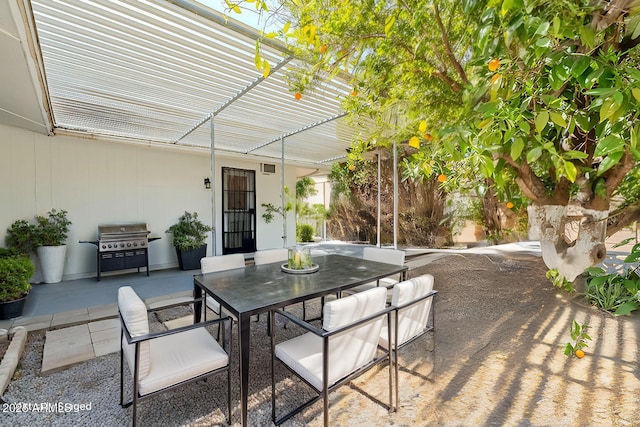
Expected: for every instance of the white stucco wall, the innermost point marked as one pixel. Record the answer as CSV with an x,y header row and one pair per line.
x,y
102,182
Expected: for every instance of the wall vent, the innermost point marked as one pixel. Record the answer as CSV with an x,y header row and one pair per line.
x,y
267,168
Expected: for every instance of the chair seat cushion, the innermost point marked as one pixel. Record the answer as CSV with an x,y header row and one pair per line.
x,y
180,357
348,350
303,354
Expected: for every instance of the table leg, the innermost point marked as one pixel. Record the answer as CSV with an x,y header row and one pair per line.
x,y
244,335
197,306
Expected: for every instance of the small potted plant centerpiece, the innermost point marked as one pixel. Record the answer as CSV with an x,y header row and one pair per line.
x,y
50,240
189,236
15,272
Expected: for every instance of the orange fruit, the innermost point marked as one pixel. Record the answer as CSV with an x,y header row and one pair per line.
x,y
442,177
579,354
495,78
428,136
351,167
298,96
354,93
494,64
323,48
509,205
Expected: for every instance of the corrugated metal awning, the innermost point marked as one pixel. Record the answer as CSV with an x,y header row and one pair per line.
x,y
154,70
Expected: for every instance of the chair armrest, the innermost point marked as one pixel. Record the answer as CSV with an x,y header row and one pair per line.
x,y
300,322
322,333
141,338
176,304
430,294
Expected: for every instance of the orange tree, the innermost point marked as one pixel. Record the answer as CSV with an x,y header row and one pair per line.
x,y
540,93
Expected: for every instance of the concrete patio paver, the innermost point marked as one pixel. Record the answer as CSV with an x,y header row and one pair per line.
x,y
67,346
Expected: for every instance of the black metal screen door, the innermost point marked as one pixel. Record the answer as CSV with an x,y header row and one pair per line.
x,y
238,211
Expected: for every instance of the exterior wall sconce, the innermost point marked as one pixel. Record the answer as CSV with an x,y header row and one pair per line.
x,y
207,183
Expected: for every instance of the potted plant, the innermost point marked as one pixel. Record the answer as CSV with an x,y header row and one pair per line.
x,y
15,272
50,235
189,236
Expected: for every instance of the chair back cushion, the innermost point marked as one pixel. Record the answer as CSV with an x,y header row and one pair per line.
x,y
134,316
411,320
212,264
355,347
388,256
270,255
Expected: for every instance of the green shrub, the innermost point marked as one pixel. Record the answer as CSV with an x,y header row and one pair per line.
x,y
21,237
189,232
15,272
618,293
305,233
52,230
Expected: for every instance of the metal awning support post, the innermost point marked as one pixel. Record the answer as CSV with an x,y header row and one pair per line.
x,y
379,202
395,197
284,204
213,187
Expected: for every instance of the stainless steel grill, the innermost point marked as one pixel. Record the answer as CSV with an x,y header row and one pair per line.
x,y
120,237
122,246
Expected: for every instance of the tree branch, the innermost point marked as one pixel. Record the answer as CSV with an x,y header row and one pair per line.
x,y
529,183
447,46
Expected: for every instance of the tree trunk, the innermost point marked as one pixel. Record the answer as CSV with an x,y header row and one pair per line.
x,y
571,237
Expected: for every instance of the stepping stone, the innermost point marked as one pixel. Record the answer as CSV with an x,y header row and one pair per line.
x,y
67,346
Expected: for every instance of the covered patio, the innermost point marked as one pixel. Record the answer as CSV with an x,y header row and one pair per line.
x,y
119,111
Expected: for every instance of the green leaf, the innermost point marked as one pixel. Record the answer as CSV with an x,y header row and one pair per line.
x,y
542,29
587,36
636,93
391,19
534,154
543,42
508,5
542,118
516,148
609,144
608,109
632,257
524,126
557,119
580,66
571,170
557,24
574,154
487,165
604,92
626,308
608,162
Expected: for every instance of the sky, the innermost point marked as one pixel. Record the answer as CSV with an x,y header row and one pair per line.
x,y
248,16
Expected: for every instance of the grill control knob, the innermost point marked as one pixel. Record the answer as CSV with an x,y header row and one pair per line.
x,y
129,244
104,246
109,245
135,244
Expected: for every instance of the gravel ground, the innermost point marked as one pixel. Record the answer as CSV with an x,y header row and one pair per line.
x,y
501,328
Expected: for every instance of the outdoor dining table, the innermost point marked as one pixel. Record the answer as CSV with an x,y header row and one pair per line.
x,y
257,289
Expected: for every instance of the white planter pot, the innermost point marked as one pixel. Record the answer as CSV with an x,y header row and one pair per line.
x,y
52,259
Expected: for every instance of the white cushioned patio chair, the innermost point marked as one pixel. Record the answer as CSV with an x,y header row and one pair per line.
x,y
413,316
345,347
267,256
213,264
385,255
161,361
